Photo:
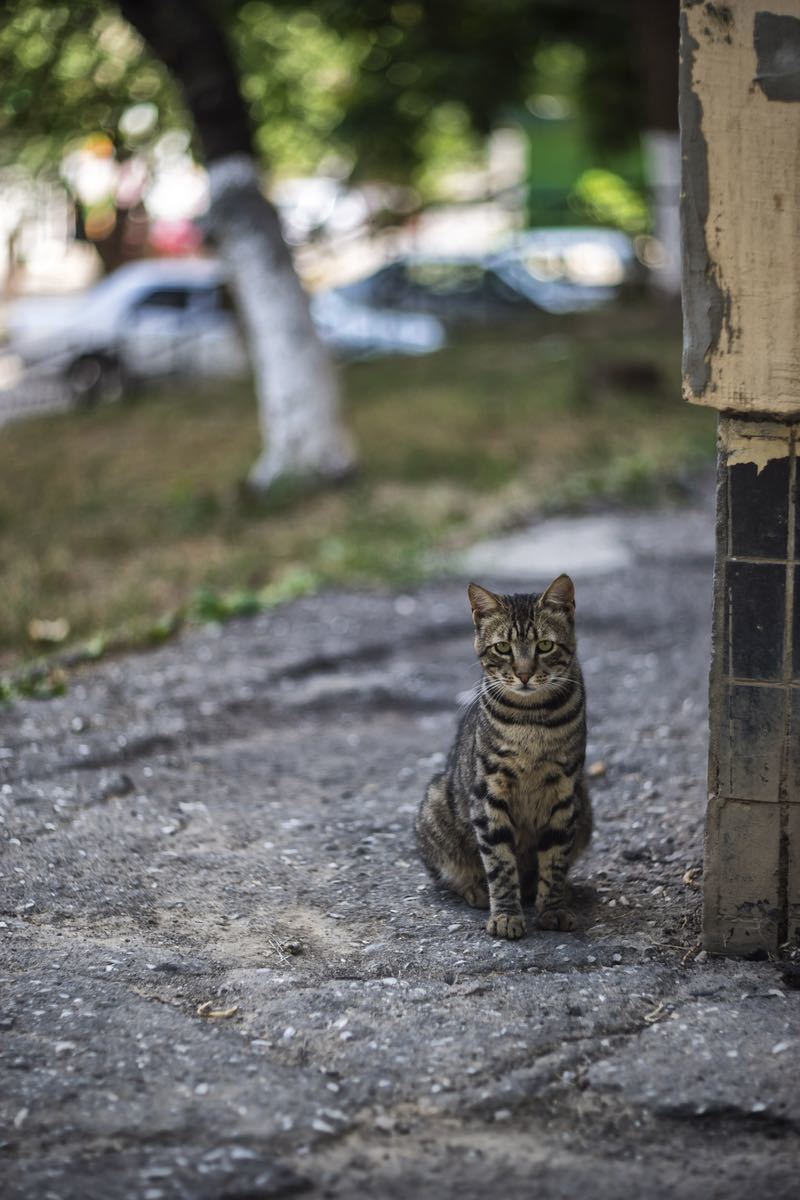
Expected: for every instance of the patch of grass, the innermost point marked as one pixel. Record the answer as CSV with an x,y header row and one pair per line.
x,y
133,518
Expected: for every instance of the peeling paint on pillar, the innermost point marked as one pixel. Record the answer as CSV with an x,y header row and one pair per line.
x,y
740,205
704,303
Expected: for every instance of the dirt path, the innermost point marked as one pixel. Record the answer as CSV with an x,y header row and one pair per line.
x,y
228,820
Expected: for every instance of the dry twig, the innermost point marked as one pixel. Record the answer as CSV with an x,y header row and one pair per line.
x,y
656,1014
216,1014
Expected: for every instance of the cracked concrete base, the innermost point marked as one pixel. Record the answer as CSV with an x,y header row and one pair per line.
x,y
229,819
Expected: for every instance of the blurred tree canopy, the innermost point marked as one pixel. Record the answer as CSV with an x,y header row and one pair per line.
x,y
69,70
380,88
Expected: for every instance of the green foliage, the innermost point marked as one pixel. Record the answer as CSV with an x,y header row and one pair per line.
x,y
296,75
68,70
394,90
608,199
213,604
486,59
41,683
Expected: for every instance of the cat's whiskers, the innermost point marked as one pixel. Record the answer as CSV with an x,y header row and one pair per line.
x,y
488,685
472,695
471,698
560,682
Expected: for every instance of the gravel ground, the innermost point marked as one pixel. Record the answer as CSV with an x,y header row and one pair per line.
x,y
227,822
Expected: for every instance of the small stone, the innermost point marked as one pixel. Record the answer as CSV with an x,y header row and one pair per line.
x,y
597,769
502,1114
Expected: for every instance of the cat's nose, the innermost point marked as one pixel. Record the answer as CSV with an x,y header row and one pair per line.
x,y
523,676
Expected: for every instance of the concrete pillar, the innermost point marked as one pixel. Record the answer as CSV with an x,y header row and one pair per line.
x,y
740,211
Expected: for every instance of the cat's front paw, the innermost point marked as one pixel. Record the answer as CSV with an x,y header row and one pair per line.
x,y
477,896
556,918
507,925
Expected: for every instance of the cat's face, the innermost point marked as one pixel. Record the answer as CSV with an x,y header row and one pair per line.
x,y
525,643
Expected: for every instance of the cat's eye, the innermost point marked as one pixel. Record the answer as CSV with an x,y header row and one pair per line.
x,y
502,647
545,645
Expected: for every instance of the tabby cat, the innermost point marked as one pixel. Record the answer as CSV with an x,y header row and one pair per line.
x,y
510,812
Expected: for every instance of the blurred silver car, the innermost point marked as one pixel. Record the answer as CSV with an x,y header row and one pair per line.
x,y
542,270
570,269
175,317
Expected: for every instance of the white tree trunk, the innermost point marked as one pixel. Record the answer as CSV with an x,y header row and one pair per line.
x,y
295,381
662,151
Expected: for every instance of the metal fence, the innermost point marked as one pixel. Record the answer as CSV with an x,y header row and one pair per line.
x,y
33,395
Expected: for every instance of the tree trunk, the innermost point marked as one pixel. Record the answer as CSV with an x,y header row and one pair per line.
x,y
295,380
657,31
662,156
297,387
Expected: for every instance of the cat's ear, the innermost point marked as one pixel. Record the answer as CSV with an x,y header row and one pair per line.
x,y
561,592
482,602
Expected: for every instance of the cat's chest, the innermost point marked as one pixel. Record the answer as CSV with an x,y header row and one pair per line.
x,y
533,756
541,784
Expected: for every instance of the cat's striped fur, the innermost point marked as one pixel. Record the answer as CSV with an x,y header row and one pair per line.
x,y
511,812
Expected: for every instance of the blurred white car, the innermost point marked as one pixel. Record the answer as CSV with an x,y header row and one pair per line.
x,y
175,317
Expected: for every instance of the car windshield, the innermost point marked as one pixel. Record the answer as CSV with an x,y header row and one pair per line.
x,y
174,297
446,278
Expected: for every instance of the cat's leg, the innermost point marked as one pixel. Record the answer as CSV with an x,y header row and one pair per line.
x,y
528,863
496,837
471,886
556,851
583,818
446,849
